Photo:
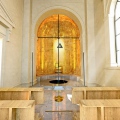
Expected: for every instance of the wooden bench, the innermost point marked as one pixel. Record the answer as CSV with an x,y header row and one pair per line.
x,y
36,94
79,93
100,109
17,109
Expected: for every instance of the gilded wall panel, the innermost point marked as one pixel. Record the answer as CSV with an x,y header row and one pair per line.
x,y
50,30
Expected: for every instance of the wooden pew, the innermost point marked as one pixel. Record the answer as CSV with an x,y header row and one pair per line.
x,y
79,93
36,94
17,109
100,109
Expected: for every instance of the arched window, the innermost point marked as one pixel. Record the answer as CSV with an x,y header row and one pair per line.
x,y
117,32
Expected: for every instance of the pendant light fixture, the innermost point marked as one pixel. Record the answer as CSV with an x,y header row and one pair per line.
x,y
59,46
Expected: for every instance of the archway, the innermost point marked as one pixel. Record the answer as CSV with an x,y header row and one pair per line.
x,y
70,54
69,13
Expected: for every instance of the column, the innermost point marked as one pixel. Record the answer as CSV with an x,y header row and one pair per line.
x,y
91,77
26,42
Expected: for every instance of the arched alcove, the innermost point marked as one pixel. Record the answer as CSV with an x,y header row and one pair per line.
x,y
47,54
47,13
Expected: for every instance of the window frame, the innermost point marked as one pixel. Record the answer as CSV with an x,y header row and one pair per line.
x,y
116,20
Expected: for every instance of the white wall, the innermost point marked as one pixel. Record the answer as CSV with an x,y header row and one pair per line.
x,y
12,49
112,77
90,42
99,41
106,74
26,49
112,74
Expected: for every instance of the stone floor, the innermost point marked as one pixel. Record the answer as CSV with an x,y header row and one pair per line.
x,y
52,110
49,110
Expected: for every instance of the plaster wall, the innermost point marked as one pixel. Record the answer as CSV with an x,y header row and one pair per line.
x,y
112,74
90,43
12,49
106,74
26,45
112,77
39,6
99,41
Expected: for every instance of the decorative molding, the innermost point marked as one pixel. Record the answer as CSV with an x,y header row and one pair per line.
x,y
5,17
6,21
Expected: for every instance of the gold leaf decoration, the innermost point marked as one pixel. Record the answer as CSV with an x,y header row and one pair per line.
x,y
47,51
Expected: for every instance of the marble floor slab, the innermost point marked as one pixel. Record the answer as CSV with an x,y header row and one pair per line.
x,y
50,109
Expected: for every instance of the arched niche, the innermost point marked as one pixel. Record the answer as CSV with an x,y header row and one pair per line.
x,y
47,51
57,10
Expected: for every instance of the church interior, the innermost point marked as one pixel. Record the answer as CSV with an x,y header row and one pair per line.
x,y
59,60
